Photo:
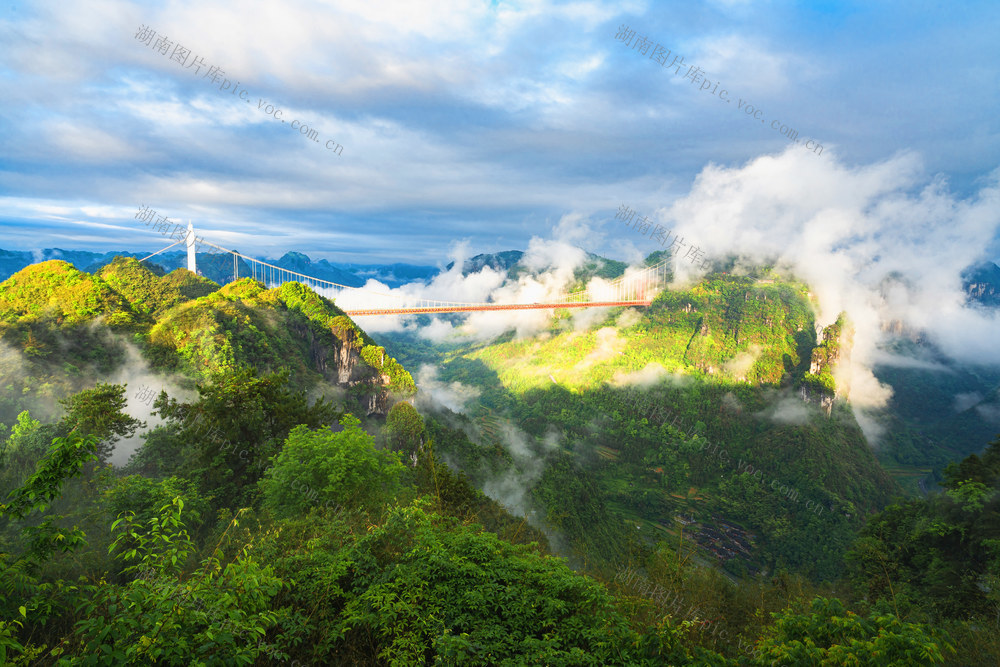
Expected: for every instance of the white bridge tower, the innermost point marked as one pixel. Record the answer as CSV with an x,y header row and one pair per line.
x,y
192,267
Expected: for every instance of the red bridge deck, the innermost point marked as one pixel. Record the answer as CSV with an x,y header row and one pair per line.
x,y
494,306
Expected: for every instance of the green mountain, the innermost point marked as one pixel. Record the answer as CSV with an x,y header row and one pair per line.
x,y
67,324
56,291
940,411
259,523
710,416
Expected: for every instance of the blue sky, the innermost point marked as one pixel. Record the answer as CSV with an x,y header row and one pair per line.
x,y
479,125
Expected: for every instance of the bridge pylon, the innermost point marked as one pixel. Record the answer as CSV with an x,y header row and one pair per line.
x,y
191,257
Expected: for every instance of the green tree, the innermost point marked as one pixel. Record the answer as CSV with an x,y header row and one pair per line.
x,y
829,634
64,460
404,428
426,589
100,412
19,453
328,469
936,556
214,615
142,498
22,592
984,469
225,439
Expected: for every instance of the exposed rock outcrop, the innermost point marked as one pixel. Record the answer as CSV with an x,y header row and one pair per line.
x,y
832,356
341,363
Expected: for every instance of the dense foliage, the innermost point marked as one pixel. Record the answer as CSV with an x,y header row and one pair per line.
x,y
357,574
938,558
258,523
339,467
690,413
59,326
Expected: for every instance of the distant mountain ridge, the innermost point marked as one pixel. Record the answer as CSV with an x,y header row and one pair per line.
x,y
498,261
511,262
220,269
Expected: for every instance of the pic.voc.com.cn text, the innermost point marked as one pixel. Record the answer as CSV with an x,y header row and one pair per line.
x,y
214,74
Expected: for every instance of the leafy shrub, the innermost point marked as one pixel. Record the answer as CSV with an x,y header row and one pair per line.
x,y
829,634
214,616
329,469
425,588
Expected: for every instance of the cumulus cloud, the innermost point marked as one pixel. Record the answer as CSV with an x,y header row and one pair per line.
x,y
883,358
730,402
12,362
88,143
551,268
746,67
649,375
449,286
585,319
607,345
884,242
510,491
512,487
872,425
989,411
438,331
629,317
878,241
143,385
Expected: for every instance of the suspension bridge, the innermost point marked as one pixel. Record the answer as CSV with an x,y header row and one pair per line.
x,y
635,288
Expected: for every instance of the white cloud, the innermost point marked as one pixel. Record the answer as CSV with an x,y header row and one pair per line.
x,y
876,241
452,395
744,67
87,144
846,232
990,412
740,364
607,345
965,401
649,375
143,385
788,410
883,358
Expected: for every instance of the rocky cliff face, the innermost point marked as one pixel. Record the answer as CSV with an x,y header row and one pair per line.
x,y
341,363
372,387
833,354
900,330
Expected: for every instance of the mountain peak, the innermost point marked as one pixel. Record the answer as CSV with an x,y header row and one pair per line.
x,y
293,257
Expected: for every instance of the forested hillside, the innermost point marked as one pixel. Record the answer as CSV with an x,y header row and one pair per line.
x,y
61,327
679,420
288,504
